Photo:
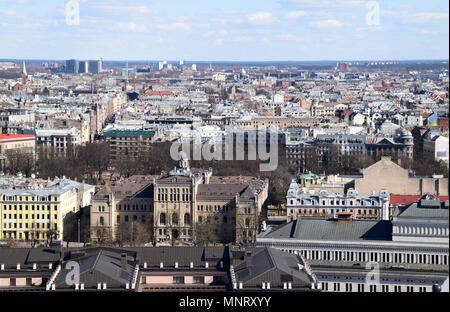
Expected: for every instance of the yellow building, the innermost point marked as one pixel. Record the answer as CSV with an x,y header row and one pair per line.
x,y
36,209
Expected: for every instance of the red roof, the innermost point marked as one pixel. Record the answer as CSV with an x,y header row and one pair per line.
x,y
409,199
15,136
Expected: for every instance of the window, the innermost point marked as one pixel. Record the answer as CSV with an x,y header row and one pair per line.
x,y
187,219
178,279
102,221
199,280
12,282
175,218
218,280
29,281
162,219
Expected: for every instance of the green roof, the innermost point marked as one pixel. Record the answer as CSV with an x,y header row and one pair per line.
x,y
129,132
309,176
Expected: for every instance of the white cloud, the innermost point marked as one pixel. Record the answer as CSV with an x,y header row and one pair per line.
x,y
244,39
260,18
329,3
291,37
295,14
131,27
330,23
119,9
165,40
174,26
424,17
219,41
217,33
19,1
427,32
9,12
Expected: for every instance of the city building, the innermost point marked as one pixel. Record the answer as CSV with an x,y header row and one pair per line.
x,y
301,202
72,66
411,251
24,143
161,269
181,205
34,209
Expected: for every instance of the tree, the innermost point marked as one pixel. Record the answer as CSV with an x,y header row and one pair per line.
x,y
19,161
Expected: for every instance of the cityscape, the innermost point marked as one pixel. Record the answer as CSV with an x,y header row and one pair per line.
x,y
155,172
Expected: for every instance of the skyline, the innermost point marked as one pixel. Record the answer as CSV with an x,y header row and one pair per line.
x,y
282,30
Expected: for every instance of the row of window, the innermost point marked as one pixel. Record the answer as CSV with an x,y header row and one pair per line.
x,y
143,207
195,280
310,211
28,198
349,287
38,216
26,207
37,226
332,202
213,208
173,191
385,257
175,197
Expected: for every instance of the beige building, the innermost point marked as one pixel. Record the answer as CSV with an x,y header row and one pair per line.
x,y
386,174
275,121
183,205
16,142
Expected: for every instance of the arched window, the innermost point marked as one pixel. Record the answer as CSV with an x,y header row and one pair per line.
x,y
102,221
175,218
247,222
200,219
225,219
162,219
187,218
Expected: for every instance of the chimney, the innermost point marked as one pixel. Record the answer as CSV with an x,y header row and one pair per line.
x,y
123,261
248,259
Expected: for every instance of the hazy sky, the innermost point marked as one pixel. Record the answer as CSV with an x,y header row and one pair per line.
x,y
225,30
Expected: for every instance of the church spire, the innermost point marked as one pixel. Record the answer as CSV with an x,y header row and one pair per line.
x,y
24,68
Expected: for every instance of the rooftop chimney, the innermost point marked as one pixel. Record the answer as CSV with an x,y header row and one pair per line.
x,y
123,261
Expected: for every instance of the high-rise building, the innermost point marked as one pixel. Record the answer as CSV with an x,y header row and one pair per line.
x,y
94,66
72,66
83,67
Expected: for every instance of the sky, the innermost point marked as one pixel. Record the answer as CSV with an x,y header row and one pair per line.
x,y
228,30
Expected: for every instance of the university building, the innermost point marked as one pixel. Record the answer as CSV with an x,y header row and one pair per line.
x,y
181,204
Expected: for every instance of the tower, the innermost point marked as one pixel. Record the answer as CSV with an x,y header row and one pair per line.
x,y
384,198
24,73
